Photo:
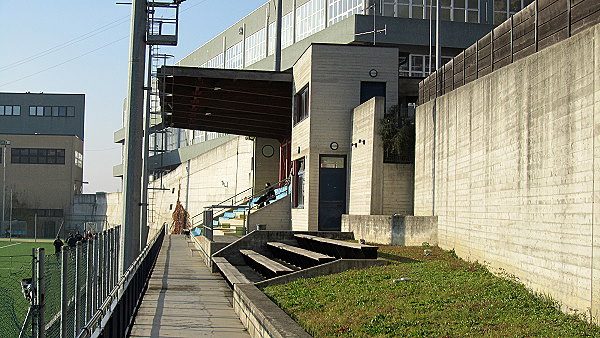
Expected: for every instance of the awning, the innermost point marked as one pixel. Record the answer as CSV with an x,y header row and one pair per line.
x,y
240,102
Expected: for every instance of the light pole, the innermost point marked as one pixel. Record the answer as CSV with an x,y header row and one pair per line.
x,y
4,143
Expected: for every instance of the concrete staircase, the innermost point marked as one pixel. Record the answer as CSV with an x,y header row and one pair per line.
x,y
264,255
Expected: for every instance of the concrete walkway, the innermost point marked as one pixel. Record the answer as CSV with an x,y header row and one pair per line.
x,y
185,299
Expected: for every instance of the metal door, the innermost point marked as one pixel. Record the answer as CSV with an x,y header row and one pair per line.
x,y
332,192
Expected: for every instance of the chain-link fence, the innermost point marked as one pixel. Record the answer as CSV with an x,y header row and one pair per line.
x,y
14,301
66,289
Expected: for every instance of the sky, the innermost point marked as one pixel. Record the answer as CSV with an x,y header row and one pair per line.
x,y
82,46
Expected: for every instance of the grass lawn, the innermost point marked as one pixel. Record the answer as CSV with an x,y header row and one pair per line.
x,y
15,265
445,297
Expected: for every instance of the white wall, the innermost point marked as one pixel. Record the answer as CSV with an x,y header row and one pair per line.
x,y
512,172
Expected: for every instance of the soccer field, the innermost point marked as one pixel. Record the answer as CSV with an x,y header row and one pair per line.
x,y
15,265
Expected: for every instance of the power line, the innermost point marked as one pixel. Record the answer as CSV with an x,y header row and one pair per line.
x,y
62,63
73,41
63,45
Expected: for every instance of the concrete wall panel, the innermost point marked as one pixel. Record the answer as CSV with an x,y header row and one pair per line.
x,y
508,165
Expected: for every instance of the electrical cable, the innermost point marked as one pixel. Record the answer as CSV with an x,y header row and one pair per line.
x,y
71,42
64,62
63,45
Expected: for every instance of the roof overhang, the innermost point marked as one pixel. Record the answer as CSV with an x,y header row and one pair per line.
x,y
240,102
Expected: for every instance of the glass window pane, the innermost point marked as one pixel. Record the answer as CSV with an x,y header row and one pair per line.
x,y
459,15
500,5
31,111
459,3
47,111
332,162
16,110
40,111
62,111
1,110
70,111
54,111
402,11
515,5
446,3
473,4
388,10
499,17
445,14
473,16
417,12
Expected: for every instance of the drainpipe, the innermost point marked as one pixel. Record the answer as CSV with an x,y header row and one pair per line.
x,y
278,37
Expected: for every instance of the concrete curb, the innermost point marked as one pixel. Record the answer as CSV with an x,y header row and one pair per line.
x,y
261,316
336,266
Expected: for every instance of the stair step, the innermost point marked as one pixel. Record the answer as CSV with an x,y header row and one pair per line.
x,y
337,248
266,266
297,256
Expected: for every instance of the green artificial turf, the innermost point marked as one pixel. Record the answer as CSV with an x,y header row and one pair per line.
x,y
445,297
15,265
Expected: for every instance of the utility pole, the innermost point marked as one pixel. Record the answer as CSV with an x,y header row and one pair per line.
x,y
4,143
132,163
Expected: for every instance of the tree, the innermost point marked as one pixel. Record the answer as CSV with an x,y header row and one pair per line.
x,y
397,132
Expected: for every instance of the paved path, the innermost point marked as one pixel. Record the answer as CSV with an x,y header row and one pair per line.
x,y
185,299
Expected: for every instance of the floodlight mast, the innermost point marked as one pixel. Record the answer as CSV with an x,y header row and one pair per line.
x,y
132,159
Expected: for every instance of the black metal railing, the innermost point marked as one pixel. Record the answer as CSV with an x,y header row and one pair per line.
x,y
115,315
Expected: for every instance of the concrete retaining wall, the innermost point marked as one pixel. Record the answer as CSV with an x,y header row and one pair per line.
x,y
392,230
276,216
508,163
261,316
336,266
207,248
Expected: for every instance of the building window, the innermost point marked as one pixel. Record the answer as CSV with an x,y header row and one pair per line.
x,y
37,156
287,30
49,212
451,10
310,18
55,111
272,37
234,57
256,45
341,9
216,62
10,110
503,9
301,104
299,172
418,65
78,159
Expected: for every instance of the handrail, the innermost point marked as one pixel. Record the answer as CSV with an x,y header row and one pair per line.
x,y
223,208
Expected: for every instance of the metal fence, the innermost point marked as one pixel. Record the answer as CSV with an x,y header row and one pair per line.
x,y
14,303
537,26
62,290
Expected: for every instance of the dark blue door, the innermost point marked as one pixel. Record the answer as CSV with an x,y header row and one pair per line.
x,y
332,192
371,89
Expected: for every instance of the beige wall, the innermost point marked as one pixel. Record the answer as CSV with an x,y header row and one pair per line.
x,y
43,186
366,166
266,168
276,216
515,182
398,189
335,73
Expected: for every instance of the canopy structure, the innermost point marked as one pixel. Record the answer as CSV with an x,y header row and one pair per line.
x,y
240,102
